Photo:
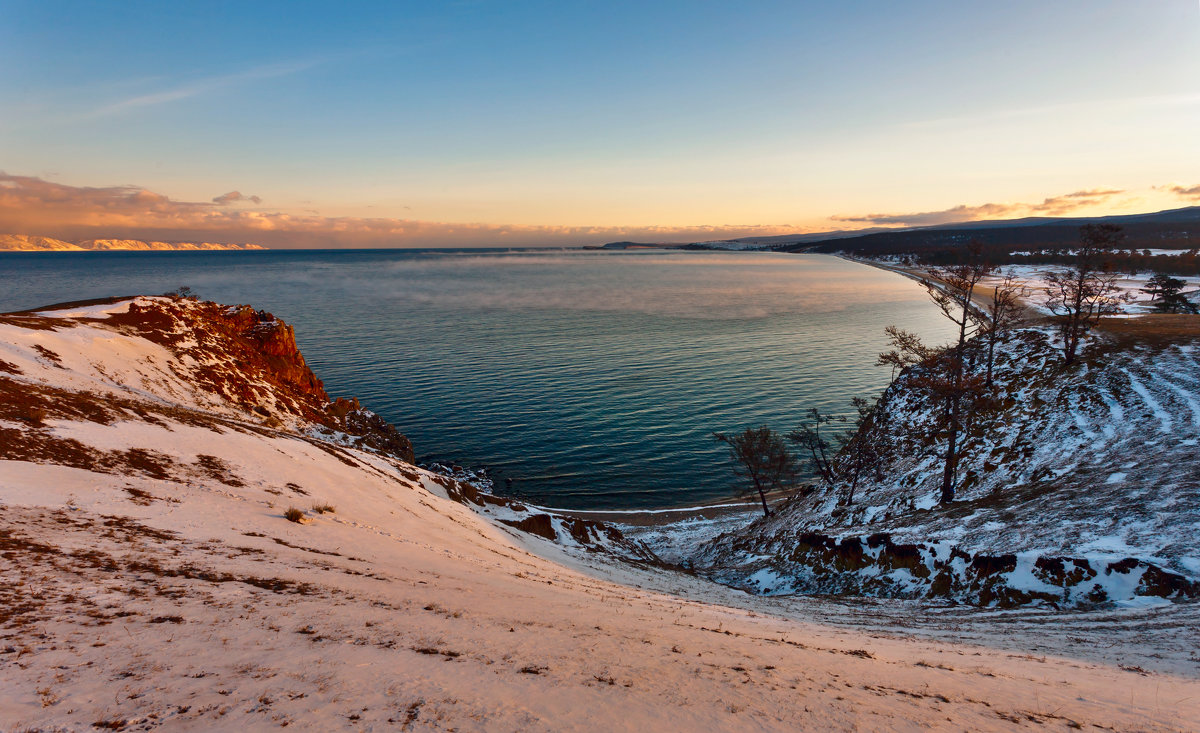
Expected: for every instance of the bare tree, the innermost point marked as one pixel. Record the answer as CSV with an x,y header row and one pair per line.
x,y
954,299
1003,312
761,456
182,291
1088,290
907,350
808,436
863,446
953,290
945,378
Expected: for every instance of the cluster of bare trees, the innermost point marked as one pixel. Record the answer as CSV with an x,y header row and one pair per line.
x,y
957,380
768,462
845,456
952,378
1088,290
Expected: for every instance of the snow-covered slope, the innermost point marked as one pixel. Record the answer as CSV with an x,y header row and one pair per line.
x,y
137,244
29,243
149,577
116,362
1077,485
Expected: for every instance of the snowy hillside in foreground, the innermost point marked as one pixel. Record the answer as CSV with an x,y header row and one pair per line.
x,y
148,578
1082,485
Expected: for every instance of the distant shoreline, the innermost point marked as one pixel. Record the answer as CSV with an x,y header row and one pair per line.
x,y
103,251
38,243
649,517
913,273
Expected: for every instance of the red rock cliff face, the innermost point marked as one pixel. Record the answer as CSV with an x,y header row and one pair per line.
x,y
275,342
250,358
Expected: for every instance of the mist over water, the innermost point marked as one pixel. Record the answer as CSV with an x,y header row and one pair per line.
x,y
592,379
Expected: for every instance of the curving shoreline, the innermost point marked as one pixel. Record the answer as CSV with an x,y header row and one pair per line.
x,y
150,514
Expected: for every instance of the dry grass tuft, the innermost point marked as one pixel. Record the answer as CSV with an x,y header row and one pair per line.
x,y
294,515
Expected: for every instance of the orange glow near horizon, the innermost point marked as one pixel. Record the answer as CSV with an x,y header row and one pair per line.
x,y
30,205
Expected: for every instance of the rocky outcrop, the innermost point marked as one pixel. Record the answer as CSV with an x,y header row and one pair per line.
x,y
877,566
245,355
377,434
274,342
249,359
266,345
561,529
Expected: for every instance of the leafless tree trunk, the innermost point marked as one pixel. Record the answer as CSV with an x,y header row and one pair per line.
x,y
762,456
808,436
1003,313
954,298
863,445
1087,291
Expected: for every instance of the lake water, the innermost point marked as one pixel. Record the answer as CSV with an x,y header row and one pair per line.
x,y
592,379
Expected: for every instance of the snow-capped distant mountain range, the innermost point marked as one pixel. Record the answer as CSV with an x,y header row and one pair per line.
x,y
31,243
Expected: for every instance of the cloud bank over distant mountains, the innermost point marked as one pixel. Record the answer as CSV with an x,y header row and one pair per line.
x,y
1063,205
32,205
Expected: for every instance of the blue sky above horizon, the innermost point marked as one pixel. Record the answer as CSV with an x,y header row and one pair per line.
x,y
567,120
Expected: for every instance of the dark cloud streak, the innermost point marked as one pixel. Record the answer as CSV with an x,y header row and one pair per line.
x,y
1052,206
1187,192
234,197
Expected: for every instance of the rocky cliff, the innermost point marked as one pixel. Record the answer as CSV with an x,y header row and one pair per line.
x,y
121,362
244,358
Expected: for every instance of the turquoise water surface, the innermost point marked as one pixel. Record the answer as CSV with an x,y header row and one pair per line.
x,y
592,379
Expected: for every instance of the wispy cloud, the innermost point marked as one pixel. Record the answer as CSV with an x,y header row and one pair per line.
x,y
234,197
31,205
198,87
1187,192
1052,206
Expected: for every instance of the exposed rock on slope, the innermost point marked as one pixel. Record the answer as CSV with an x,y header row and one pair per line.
x,y
156,358
1078,485
150,577
234,361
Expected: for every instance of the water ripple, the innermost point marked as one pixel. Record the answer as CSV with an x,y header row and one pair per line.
x,y
590,379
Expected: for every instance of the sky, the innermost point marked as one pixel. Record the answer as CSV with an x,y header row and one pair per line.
x,y
477,123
